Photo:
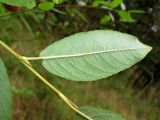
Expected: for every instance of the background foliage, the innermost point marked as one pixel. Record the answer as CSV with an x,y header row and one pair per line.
x,y
134,93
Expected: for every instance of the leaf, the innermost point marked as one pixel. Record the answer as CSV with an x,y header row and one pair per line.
x,y
22,3
2,10
125,16
5,94
46,6
113,4
99,114
93,55
58,1
105,19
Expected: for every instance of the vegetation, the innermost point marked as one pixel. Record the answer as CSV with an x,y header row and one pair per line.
x,y
85,56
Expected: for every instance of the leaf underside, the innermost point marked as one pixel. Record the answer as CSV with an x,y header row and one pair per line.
x,y
93,55
5,94
99,114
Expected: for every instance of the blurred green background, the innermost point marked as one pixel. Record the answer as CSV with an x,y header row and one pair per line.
x,y
134,92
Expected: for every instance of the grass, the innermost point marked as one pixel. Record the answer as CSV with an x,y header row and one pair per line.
x,y
34,101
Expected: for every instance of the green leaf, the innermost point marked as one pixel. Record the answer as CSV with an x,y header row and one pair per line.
x,y
105,19
5,94
125,16
113,4
99,114
93,55
58,1
22,3
46,6
2,10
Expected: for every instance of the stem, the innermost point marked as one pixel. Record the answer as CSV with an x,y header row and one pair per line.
x,y
10,50
86,6
59,93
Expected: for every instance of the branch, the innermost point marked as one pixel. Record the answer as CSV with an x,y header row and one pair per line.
x,y
52,87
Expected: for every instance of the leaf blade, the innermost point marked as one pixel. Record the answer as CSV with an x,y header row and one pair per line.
x,y
113,4
105,19
5,94
88,56
125,16
22,3
46,6
99,114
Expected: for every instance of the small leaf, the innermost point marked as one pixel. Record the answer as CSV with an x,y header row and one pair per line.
x,y
99,114
93,55
105,19
58,1
22,3
113,4
5,94
125,16
46,6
